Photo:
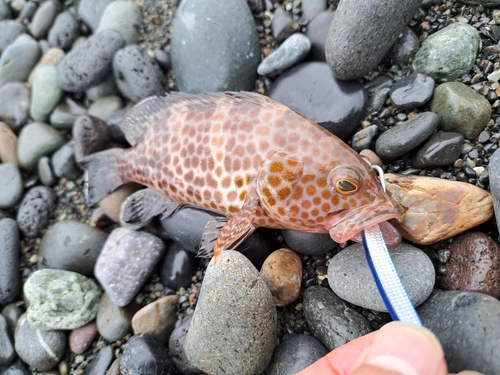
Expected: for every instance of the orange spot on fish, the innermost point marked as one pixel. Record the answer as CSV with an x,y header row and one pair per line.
x,y
311,190
297,194
326,194
314,212
284,193
243,195
316,201
306,204
321,182
325,207
226,182
274,181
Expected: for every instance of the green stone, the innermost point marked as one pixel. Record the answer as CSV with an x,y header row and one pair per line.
x,y
448,54
460,109
45,93
61,299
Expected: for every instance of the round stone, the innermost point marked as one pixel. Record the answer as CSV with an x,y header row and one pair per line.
x,y
7,354
441,149
12,312
81,338
5,12
309,243
45,172
14,104
114,322
17,61
363,139
412,91
177,267
143,355
10,278
11,185
35,210
64,31
105,107
124,17
9,31
44,18
45,93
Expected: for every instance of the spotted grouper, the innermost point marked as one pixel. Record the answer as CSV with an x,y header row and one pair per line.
x,y
253,160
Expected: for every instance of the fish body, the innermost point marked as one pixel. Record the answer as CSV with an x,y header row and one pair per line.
x,y
245,156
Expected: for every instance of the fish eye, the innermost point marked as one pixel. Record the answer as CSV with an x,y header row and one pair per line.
x,y
345,180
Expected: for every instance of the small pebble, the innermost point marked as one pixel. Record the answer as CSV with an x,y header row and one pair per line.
x,y
412,91
441,149
43,18
11,185
80,339
7,354
105,107
114,322
17,61
101,362
9,31
317,31
45,93
177,267
47,176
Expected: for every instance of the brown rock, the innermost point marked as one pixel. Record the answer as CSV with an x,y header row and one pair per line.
x,y
157,318
371,156
433,209
112,204
282,272
52,57
81,338
8,145
474,265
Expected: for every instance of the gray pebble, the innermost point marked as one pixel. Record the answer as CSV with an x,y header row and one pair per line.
x,y
9,31
35,210
114,322
124,17
7,352
330,320
45,93
101,362
412,91
66,113
64,31
14,104
28,11
71,246
310,8
10,277
404,49
282,24
317,31
64,163
103,89
5,12
11,185
177,267
403,138
176,348
12,312
45,173
43,18
378,98
17,367
17,61
363,139
440,150
351,279
105,107
91,11
233,329
308,243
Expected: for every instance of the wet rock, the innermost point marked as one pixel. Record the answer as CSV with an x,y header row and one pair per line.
x,y
91,135
36,207
114,322
308,243
143,355
330,320
351,279
64,31
449,53
10,277
441,149
45,93
43,18
81,338
177,267
225,39
363,139
8,145
412,91
91,11
378,99
11,185
9,31
460,321
317,31
434,209
404,48
401,139
310,88
176,348
352,51
282,272
105,107
228,333
14,103
460,109
124,17
17,61
101,362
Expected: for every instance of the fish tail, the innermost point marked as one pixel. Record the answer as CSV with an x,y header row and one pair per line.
x,y
102,175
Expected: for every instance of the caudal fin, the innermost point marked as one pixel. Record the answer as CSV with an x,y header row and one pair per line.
x,y
101,174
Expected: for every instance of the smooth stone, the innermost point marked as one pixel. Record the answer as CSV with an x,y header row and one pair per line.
x,y
105,88
91,11
47,176
363,139
12,312
473,266
310,89
351,279
71,246
114,369
157,318
382,81
124,17
114,322
317,31
65,113
330,320
434,209
121,277
101,362
404,48
104,108
5,12
295,354
8,145
42,350
143,355
163,59
283,25
352,51
36,207
9,31
17,367
177,267
44,18
10,277
289,53
224,38
494,172
14,104
441,149
64,31
176,348
401,139
308,243
36,140
60,299
81,338
91,135
17,61
461,109
233,301
111,205
412,91
45,93
28,11
449,53
52,57
378,99
90,62
7,352
11,185
310,8
137,74
467,325
282,272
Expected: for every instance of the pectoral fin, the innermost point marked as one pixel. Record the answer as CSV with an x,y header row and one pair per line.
x,y
145,204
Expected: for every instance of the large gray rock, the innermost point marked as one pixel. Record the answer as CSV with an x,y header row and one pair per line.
x,y
18,59
124,17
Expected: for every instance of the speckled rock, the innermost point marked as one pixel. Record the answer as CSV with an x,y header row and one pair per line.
x,y
9,31
124,17
449,53
144,355
352,51
460,109
101,362
177,267
90,11
10,277
176,348
71,246
309,243
467,325
121,276
412,91
45,93
330,320
295,354
317,31
351,279
435,209
404,48
17,61
441,149
225,39
236,314
114,322
60,299
14,104
64,31
11,185
81,338
36,207
43,18
282,272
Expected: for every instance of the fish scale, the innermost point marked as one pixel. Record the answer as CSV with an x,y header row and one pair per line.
x,y
241,155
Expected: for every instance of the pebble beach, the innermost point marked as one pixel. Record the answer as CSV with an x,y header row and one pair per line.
x,y
411,85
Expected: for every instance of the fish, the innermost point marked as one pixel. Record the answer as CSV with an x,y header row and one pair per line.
x,y
250,159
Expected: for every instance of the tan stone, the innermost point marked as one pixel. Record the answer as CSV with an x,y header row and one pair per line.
x,y
371,156
282,272
111,205
434,209
8,145
52,57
